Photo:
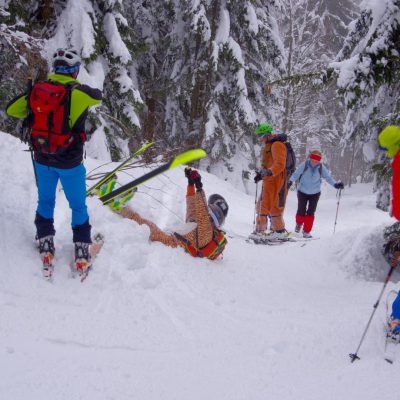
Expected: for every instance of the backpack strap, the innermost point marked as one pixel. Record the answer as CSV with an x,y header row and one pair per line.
x,y
304,170
210,253
70,86
194,251
220,245
306,167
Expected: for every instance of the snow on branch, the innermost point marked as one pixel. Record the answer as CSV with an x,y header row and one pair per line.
x,y
117,46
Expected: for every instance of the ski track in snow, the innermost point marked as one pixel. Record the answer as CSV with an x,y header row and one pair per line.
x,y
151,322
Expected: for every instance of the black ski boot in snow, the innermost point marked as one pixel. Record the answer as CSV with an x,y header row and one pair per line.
x,y
47,251
83,259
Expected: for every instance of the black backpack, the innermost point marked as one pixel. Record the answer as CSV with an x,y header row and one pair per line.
x,y
290,160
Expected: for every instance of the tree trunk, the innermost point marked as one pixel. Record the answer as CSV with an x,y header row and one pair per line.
x,y
209,75
352,161
286,102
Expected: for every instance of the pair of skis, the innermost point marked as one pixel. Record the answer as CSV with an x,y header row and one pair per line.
x,y
114,197
273,242
110,175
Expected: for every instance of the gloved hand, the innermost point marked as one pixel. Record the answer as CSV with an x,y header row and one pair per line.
x,y
196,179
392,245
338,185
258,177
289,184
395,259
87,135
266,172
188,171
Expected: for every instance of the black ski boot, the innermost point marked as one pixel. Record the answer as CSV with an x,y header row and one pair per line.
x,y
83,259
47,251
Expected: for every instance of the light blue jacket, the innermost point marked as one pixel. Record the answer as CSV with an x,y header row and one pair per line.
x,y
310,182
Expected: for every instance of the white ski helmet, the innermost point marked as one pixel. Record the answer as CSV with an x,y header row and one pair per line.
x,y
66,61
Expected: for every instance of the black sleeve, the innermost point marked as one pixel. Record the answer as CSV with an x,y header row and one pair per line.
x,y
79,126
92,92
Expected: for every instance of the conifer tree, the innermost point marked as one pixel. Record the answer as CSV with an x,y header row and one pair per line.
x,y
369,78
313,112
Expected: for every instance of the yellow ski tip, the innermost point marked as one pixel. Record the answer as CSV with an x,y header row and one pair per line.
x,y
188,156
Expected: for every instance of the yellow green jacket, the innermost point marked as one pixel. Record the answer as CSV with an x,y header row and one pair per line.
x,y
82,97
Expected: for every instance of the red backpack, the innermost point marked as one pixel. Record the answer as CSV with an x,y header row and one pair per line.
x,y
212,250
49,103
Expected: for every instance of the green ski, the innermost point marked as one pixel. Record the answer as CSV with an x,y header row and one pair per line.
x,y
184,158
109,175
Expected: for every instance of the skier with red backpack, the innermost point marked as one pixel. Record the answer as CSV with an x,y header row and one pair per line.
x,y
56,111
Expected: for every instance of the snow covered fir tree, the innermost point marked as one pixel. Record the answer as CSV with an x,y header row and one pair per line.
x,y
369,78
141,256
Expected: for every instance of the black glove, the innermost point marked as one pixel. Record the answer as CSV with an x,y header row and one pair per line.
x,y
88,134
338,185
392,245
196,179
188,171
289,184
258,177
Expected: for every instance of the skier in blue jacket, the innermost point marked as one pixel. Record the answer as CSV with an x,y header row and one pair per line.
x,y
310,174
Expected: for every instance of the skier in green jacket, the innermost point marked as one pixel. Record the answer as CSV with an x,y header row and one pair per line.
x,y
56,111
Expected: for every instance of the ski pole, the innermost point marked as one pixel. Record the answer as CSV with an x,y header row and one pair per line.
x,y
393,264
337,210
255,209
26,123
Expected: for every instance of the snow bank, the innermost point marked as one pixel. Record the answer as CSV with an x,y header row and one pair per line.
x,y
153,323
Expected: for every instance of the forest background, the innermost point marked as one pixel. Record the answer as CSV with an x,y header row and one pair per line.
x,y
204,73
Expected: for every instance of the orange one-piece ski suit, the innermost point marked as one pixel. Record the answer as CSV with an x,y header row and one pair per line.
x,y
198,237
274,189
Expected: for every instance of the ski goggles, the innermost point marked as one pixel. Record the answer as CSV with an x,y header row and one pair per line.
x,y
315,157
66,70
216,215
264,136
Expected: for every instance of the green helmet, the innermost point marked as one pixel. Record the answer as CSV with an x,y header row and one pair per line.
x,y
263,129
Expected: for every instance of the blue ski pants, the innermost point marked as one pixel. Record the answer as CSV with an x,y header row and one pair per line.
x,y
73,181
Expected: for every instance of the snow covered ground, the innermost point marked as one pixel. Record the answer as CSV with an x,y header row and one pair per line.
x,y
153,323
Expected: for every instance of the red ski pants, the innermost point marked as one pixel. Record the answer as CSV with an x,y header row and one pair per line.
x,y
307,204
